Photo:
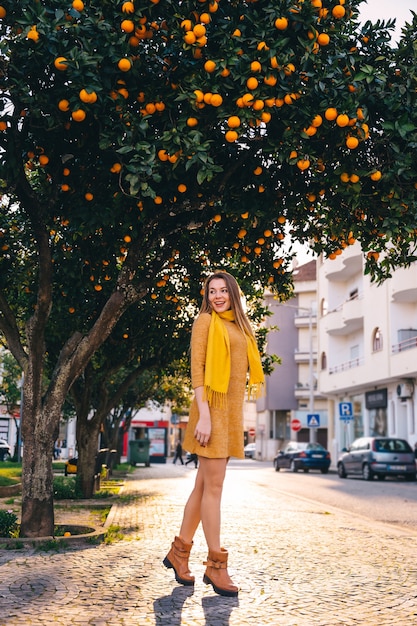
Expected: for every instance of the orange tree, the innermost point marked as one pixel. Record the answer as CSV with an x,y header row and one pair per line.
x,y
145,142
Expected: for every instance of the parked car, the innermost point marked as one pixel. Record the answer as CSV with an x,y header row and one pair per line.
x,y
304,456
5,450
378,456
250,450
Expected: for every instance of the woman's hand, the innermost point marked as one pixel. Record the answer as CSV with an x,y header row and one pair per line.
x,y
203,429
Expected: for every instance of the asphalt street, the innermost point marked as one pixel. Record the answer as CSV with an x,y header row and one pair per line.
x,y
297,561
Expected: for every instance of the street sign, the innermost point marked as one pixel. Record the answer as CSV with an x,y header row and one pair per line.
x,y
295,425
251,432
345,411
313,420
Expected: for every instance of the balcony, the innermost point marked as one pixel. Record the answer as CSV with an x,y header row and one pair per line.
x,y
347,318
347,365
403,287
304,356
302,390
302,319
346,265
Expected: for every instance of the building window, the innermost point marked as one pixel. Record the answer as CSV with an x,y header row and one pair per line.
x,y
323,360
377,340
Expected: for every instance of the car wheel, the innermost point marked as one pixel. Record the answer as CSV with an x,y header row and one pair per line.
x,y
341,471
366,472
381,476
293,467
324,470
6,456
277,467
410,477
305,470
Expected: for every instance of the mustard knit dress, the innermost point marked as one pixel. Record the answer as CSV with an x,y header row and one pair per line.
x,y
226,437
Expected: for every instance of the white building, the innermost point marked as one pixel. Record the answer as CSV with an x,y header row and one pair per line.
x,y
367,344
292,393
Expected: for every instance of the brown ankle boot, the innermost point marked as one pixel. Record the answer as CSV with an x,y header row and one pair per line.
x,y
177,559
216,574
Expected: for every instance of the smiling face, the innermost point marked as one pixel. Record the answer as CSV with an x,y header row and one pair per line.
x,y
218,295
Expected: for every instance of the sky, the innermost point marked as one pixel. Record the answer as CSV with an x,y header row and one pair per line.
x,y
374,10
388,9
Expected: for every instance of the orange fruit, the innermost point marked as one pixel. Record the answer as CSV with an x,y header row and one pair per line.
x,y
186,25
190,38
124,65
60,63
342,120
78,5
63,105
199,95
192,121
162,155
205,18
199,30
213,6
266,117
128,7
330,114
127,238
216,100
338,11
303,164
33,34
43,160
225,72
281,23
233,121
236,33
115,168
78,115
377,175
352,142
270,80
65,187
323,39
2,12
127,26
209,66
252,83
255,66
66,171
317,121
293,154
3,126
158,200
98,287
354,178
182,188
88,196
310,131
289,69
88,96
344,177
258,105
231,136
258,170
217,218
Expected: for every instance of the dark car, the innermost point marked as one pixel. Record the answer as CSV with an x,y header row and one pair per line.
x,y
303,456
5,450
378,456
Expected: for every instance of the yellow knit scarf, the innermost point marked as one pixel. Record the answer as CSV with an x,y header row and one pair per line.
x,y
217,370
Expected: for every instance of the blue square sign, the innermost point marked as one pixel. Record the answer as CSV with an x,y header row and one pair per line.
x,y
313,420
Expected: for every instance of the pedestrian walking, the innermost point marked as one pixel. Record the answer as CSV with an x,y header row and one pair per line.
x,y
193,458
178,453
223,348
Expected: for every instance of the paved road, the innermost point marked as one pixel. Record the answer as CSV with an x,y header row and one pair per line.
x,y
297,562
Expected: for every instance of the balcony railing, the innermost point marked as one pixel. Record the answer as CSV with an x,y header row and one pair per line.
x,y
407,344
347,365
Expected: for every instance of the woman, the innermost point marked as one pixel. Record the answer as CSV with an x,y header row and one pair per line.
x,y
223,346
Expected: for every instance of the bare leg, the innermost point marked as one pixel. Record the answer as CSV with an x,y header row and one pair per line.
x,y
204,502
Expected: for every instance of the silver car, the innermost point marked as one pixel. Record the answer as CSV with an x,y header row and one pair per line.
x,y
378,456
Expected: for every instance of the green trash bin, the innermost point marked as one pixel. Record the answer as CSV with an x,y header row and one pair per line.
x,y
139,452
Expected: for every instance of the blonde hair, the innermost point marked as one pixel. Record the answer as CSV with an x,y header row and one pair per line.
x,y
235,295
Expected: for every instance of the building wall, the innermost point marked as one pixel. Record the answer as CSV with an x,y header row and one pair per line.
x,y
367,342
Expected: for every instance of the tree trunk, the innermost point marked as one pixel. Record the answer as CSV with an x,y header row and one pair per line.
x,y
87,446
37,476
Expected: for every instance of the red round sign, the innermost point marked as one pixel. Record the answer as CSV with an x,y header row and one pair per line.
x,y
295,425
251,432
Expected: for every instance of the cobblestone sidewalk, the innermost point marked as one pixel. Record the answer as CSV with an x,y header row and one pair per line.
x,y
296,563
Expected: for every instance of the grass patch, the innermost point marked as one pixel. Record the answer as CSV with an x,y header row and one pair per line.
x,y
113,534
10,473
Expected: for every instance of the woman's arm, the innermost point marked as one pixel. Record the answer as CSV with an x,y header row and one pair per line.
x,y
203,428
